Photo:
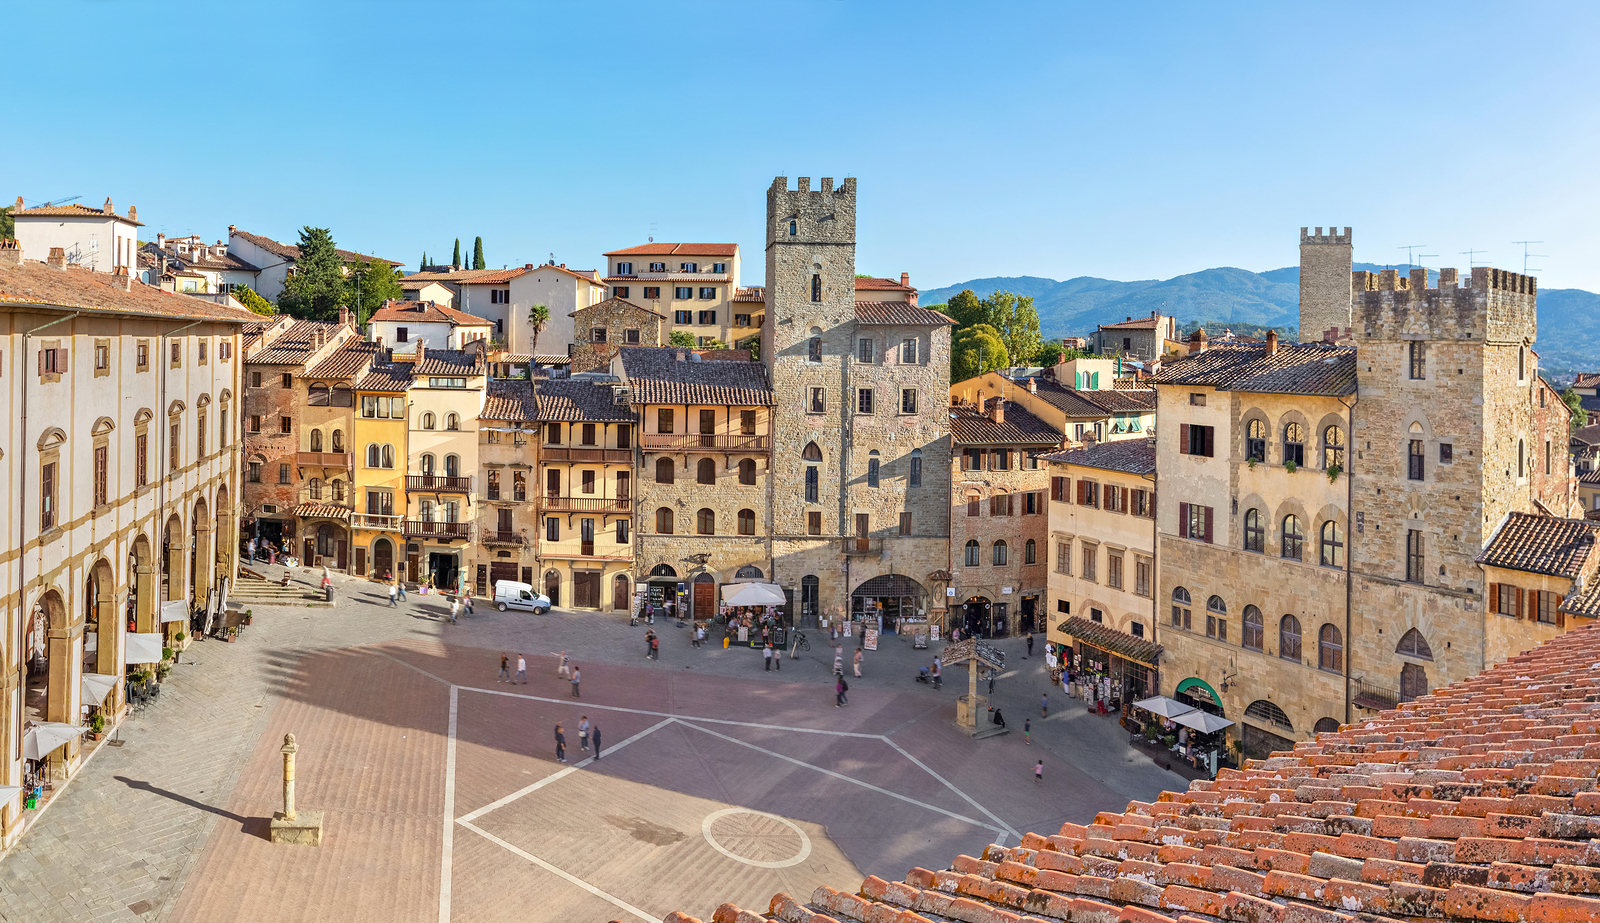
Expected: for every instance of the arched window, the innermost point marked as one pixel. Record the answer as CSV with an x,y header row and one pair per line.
x,y
1216,605
338,490
316,440
452,421
971,559
705,471
810,594
1253,628
1255,441
1000,553
1180,608
872,468
1330,649
1289,638
816,287
663,471
1262,710
452,466
1255,535
425,464
811,452
747,522
706,522
388,456
1292,537
1333,447
914,479
1332,545
427,420
1294,445
814,349
664,521
1216,618
1413,644
338,440
374,455
747,471
1030,552
1522,363
1326,726
314,489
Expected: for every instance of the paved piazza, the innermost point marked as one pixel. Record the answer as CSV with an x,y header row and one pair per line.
x,y
443,799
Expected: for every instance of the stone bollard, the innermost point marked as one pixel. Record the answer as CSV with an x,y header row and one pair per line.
x,y
289,826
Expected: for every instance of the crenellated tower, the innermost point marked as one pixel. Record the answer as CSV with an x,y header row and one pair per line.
x,y
1325,262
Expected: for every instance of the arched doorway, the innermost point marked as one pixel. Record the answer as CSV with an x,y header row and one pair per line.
x,y
100,635
661,586
172,559
329,543
621,599
141,614
887,599
54,653
1264,732
975,617
200,554
703,602
1413,682
383,559
552,586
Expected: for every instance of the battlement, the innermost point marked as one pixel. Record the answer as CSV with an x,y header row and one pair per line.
x,y
1495,306
1332,237
1486,278
826,215
780,185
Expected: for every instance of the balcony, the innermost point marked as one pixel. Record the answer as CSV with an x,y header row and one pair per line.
x,y
376,521
447,531
1371,695
586,504
591,454
427,482
703,441
503,538
861,547
547,554
324,459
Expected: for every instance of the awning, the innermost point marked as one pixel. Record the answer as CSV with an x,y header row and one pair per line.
x,y
174,611
8,792
41,740
96,686
1109,639
1165,707
1203,721
752,594
143,648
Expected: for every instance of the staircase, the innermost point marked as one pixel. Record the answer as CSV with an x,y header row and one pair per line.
x,y
253,591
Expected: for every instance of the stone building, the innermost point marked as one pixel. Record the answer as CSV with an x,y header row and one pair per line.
x,y
999,527
508,511
1144,338
602,329
121,468
861,523
441,461
705,464
1082,415
692,286
1541,575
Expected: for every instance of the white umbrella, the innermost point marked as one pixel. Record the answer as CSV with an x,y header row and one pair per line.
x,y
96,686
8,792
174,611
143,648
1165,707
41,740
1203,721
752,594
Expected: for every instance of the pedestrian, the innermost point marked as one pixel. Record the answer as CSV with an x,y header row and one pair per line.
x,y
393,593
838,660
938,674
844,690
1038,772
455,607
561,745
1030,645
466,600
561,668
402,585
576,673
505,668
694,636
858,663
595,733
991,682
522,670
838,692
1027,731
655,648
649,642
583,732
766,654
252,547
1044,705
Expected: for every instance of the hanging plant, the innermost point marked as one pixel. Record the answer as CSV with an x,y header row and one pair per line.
x,y
1333,473
1290,466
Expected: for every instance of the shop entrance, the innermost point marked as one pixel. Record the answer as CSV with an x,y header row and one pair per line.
x,y
705,596
661,587
620,598
383,559
893,598
444,569
552,586
975,617
1025,619
586,590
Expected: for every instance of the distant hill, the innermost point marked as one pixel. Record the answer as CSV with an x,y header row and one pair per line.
x,y
1569,337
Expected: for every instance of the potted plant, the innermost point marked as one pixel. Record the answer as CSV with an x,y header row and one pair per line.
x,y
1333,473
163,669
166,654
1290,466
1169,740
249,616
97,726
233,633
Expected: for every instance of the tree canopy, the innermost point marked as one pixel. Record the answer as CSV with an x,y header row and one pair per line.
x,y
477,255
455,255
8,225
1007,320
248,297
681,338
317,287
538,316
371,284
1580,417
975,350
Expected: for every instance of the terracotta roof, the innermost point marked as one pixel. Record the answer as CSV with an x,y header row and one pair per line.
x,y
969,427
1107,638
1586,380
657,376
349,359
616,301
578,400
74,211
1589,434
294,345
395,377
32,282
875,284
291,252
448,363
227,262
551,359
1296,368
426,312
753,293
728,355
665,249
1541,545
416,285
1071,402
495,276
591,276
1590,478
1584,602
321,511
1477,802
899,314
1129,456
1137,323
510,400
1123,401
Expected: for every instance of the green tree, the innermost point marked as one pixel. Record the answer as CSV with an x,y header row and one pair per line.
x,y
477,255
975,350
967,309
248,297
455,255
317,287
371,284
752,343
681,338
1580,417
539,317
1014,317
424,264
8,225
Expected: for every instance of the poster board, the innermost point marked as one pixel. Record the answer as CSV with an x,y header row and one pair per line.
x,y
870,642
933,632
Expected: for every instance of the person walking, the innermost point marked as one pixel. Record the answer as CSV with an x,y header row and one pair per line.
x,y
466,600
655,647
1027,731
844,690
838,660
561,668
649,642
694,636
402,585
595,733
522,670
1030,646
991,683
1044,705
583,733
576,675
251,546
938,674
838,692
505,668
394,593
858,663
766,654
455,608
1038,772
561,745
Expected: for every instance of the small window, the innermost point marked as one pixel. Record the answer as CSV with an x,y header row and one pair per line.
x,y
706,522
1289,638
864,349
1414,563
631,335
1418,356
818,400
908,400
814,349
705,472
811,483
813,523
972,553
864,400
1181,614
708,317
285,425
1330,649
747,471
707,293
1254,629
793,228
1000,552
872,469
1332,545
683,317
597,335
664,521
1255,441
908,351
664,471
915,478
816,288
1294,445
1332,448
1255,535
664,420
1197,400
747,522
683,292
288,380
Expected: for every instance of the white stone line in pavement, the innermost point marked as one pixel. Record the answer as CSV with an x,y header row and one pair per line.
x,y
663,714
1005,827
466,819
603,895
413,666
447,852
844,778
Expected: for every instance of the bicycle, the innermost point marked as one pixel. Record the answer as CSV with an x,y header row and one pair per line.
x,y
800,642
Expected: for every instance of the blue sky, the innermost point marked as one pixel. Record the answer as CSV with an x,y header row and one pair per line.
x,y
1054,139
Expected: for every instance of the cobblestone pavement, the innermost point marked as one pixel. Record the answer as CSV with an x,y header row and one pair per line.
x,y
123,840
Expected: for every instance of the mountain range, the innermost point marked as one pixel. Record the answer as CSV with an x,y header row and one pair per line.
x,y
1569,341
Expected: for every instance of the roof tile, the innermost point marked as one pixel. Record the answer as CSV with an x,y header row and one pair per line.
x,y
425,312
969,427
1129,456
292,251
1541,545
1293,368
577,400
32,282
899,314
511,400
657,375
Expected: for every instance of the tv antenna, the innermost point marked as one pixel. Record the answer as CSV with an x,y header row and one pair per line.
x,y
51,203
1408,248
1526,254
1472,256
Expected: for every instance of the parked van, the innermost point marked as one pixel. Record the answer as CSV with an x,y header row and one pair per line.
x,y
509,594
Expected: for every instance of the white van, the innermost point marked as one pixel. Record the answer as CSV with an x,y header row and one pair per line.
x,y
508,594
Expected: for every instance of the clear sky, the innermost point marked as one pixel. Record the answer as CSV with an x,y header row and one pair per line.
x,y
1056,139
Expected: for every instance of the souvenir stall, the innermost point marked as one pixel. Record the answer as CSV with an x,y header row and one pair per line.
x,y
1178,728
755,613
1107,668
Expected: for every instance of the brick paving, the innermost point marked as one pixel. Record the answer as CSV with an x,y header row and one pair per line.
x,y
169,826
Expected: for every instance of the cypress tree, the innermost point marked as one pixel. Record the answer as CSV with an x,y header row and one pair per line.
x,y
455,256
477,255
424,263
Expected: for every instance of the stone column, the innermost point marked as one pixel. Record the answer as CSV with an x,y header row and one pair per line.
x,y
291,825
289,750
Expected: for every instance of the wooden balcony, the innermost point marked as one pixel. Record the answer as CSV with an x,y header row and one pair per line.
x,y
375,521
592,455
586,504
861,547
546,554
503,538
419,528
438,484
701,442
324,459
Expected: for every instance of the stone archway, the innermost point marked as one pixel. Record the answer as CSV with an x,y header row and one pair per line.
x,y
201,565
226,537
141,588
383,559
57,647
174,560
102,620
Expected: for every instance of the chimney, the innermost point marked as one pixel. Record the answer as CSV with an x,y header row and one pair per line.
x,y
58,257
422,351
344,315
905,279
1033,386
1197,341
231,229
528,266
1130,318
19,206
10,252
978,399
1272,342
998,412
161,240
681,356
109,209
133,213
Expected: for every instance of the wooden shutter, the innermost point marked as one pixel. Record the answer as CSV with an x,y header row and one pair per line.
x,y
1011,504
1056,488
1519,602
1208,523
43,365
966,462
1494,598
1183,520
1124,500
61,361
1561,617
1183,438
1209,432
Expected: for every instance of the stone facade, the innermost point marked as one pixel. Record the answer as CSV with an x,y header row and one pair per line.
x,y
1324,284
601,329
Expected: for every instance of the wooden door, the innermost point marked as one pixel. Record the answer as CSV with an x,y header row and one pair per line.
x,y
621,600
1413,681
861,532
383,560
361,562
499,571
412,566
586,590
705,600
344,554
310,557
586,538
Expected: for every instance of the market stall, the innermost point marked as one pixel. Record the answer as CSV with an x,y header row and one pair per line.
x,y
1106,667
754,614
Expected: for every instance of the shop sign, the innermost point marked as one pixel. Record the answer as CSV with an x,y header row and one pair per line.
x,y
870,642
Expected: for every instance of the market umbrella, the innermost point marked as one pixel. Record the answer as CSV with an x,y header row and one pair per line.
x,y
143,647
41,740
96,686
1165,707
752,594
1203,721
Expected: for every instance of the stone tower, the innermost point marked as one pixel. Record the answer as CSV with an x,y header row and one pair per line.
x,y
860,406
1325,261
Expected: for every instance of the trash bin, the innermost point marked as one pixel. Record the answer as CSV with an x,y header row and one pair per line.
x,y
329,591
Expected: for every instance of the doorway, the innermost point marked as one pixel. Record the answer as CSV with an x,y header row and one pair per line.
x,y
704,604
383,559
552,586
620,598
586,590
445,570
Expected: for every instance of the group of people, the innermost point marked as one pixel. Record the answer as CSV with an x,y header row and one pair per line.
x,y
587,733
266,547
